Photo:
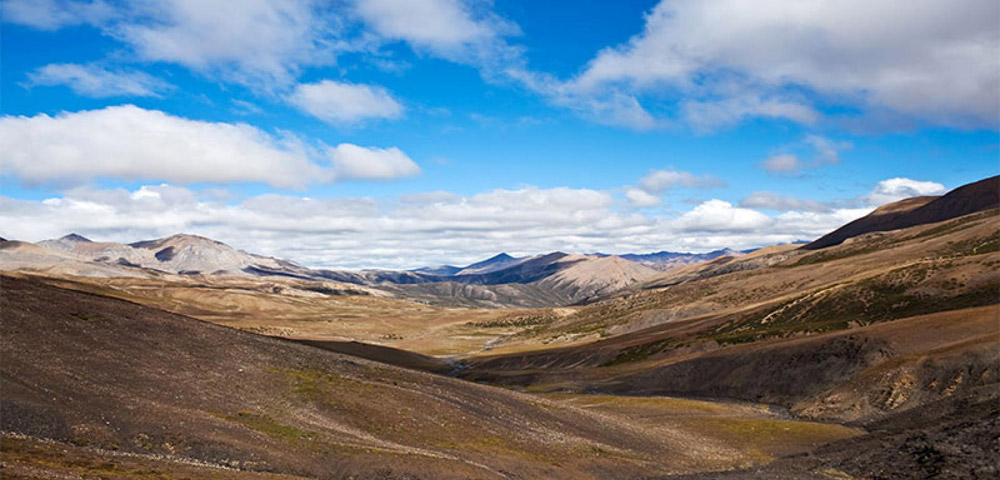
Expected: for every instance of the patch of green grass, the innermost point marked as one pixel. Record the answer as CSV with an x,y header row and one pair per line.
x,y
314,385
56,460
838,252
636,353
955,225
765,438
890,296
975,246
270,427
513,321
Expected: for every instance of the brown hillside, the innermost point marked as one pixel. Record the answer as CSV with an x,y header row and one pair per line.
x,y
971,198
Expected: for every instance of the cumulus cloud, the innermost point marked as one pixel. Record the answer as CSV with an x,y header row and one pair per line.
x,y
774,201
98,82
259,43
721,216
783,163
131,143
657,181
256,42
823,151
344,103
265,44
640,198
899,188
371,163
708,64
728,60
458,30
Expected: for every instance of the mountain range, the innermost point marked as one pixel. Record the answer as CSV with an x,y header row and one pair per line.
x,y
555,278
537,280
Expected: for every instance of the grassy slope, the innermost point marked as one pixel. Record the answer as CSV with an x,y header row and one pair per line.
x,y
112,377
313,310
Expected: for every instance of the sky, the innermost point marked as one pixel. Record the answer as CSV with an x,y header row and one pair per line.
x,y
404,133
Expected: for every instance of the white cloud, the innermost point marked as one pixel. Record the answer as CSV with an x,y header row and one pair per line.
x,y
131,143
344,103
640,198
243,107
709,115
266,44
783,163
718,216
661,180
257,42
827,150
371,163
899,188
730,59
459,30
886,191
98,82
824,151
55,14
816,224
774,201
707,63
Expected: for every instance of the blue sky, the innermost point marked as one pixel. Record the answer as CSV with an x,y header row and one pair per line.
x,y
391,133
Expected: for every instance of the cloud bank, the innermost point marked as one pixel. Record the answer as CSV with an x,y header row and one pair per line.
x,y
432,227
73,148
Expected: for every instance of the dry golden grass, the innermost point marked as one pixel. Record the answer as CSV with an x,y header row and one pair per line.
x,y
294,309
756,432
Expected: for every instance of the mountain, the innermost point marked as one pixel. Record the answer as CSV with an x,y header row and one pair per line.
x,y
665,260
555,278
492,264
596,275
178,254
440,270
971,198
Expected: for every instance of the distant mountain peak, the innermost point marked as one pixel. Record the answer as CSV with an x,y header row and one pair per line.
x,y
176,239
496,262
75,237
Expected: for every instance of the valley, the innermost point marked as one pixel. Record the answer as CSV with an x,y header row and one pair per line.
x,y
870,354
